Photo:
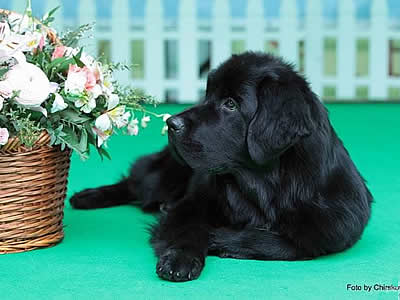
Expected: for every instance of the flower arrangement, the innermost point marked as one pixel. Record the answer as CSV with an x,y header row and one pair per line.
x,y
49,83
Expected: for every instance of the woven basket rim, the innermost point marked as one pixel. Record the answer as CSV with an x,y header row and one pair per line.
x,y
14,145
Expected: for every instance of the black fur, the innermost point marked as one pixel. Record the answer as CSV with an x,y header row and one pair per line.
x,y
256,171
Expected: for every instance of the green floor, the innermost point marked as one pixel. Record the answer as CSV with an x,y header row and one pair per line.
x,y
106,255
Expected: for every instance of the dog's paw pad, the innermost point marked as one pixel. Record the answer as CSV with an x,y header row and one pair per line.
x,y
178,265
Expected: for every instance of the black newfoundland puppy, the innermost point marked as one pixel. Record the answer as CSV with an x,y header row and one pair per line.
x,y
256,171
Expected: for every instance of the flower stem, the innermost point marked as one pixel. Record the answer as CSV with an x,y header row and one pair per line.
x,y
27,12
29,8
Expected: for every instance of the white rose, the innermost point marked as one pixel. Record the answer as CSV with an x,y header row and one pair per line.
x,y
4,135
31,82
1,102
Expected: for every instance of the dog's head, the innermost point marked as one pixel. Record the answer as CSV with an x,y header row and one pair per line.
x,y
256,107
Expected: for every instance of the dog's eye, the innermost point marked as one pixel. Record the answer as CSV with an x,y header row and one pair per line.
x,y
230,104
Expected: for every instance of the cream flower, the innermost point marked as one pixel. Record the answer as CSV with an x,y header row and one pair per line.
x,y
103,122
106,84
86,103
6,53
4,135
165,128
166,117
119,117
88,60
20,23
97,69
4,31
1,102
103,128
102,136
144,121
29,41
31,83
113,101
58,104
96,91
133,128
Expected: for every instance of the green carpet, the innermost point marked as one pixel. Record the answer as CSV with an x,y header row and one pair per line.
x,y
106,255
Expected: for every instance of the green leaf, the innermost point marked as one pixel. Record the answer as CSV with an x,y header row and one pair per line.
x,y
56,62
83,143
79,53
48,18
51,13
78,62
63,67
4,71
103,152
73,116
77,59
72,141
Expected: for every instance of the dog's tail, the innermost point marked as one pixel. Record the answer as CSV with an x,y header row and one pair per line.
x,y
253,244
104,196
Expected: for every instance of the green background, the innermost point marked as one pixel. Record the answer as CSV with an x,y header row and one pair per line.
x,y
106,254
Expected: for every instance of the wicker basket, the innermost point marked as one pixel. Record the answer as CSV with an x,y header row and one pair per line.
x,y
32,191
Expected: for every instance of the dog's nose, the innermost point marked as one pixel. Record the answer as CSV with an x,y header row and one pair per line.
x,y
175,123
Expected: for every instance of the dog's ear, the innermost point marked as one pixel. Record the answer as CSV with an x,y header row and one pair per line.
x,y
282,118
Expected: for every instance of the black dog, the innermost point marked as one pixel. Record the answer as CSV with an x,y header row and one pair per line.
x,y
256,171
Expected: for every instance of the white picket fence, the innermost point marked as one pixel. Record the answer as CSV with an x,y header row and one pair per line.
x,y
288,33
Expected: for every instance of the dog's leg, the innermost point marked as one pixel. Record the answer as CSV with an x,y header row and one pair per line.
x,y
180,242
105,196
252,244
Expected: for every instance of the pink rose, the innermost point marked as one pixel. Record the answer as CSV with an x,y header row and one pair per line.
x,y
90,78
79,79
41,43
58,52
3,136
76,80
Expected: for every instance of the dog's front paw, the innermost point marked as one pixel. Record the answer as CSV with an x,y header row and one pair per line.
x,y
87,199
179,265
